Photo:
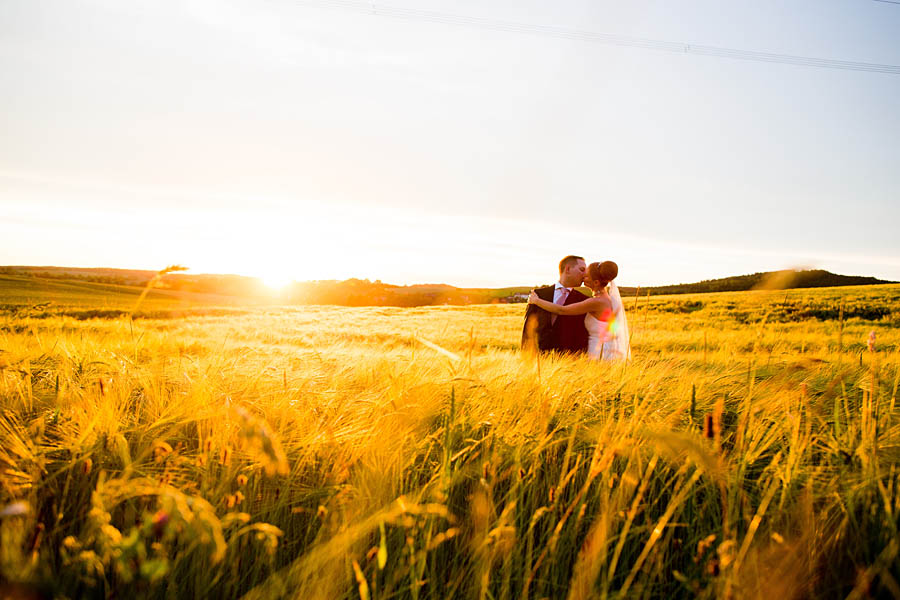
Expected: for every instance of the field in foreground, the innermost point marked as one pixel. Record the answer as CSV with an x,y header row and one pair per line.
x,y
751,448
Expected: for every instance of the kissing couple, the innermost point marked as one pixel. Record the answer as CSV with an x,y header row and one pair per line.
x,y
562,319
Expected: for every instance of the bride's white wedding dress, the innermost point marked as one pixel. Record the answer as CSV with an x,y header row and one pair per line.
x,y
608,337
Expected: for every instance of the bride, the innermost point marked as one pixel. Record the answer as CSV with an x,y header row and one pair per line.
x,y
604,314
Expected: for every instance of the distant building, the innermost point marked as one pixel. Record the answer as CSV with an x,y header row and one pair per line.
x,y
515,298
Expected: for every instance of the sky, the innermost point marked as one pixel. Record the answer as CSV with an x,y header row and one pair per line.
x,y
335,138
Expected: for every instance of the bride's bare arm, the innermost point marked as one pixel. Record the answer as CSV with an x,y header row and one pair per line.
x,y
579,308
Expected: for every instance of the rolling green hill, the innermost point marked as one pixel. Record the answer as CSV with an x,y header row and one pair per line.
x,y
36,296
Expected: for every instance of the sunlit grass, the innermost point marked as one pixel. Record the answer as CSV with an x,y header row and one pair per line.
x,y
328,452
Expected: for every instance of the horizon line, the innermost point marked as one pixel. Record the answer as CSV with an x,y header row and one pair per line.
x,y
299,281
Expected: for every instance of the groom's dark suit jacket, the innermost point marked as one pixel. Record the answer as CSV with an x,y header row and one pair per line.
x,y
566,334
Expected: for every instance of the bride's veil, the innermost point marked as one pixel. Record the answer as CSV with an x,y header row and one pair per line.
x,y
622,337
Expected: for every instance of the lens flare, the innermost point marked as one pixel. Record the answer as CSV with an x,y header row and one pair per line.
x,y
612,324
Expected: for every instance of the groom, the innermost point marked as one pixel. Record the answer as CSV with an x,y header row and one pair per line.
x,y
545,331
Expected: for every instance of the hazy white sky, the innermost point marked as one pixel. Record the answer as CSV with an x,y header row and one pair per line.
x,y
276,136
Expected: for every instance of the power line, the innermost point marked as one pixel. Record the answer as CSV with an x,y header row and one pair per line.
x,y
414,14
887,1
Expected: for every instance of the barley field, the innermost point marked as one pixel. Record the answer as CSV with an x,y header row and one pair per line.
x,y
192,450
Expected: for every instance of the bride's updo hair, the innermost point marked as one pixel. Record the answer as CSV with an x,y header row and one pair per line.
x,y
603,272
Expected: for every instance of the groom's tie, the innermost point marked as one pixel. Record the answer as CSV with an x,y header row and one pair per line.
x,y
564,293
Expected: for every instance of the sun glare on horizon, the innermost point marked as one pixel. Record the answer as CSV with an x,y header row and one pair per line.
x,y
276,281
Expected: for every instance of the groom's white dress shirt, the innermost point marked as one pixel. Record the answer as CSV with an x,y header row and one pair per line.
x,y
560,293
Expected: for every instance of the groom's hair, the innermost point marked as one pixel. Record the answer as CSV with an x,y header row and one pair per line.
x,y
568,261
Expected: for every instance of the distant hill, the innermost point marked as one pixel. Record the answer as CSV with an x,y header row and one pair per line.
x,y
97,275
362,292
228,285
780,280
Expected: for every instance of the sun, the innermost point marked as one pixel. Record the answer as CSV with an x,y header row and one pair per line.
x,y
276,281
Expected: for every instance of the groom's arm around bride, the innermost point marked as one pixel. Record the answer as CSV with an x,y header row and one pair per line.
x,y
536,334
